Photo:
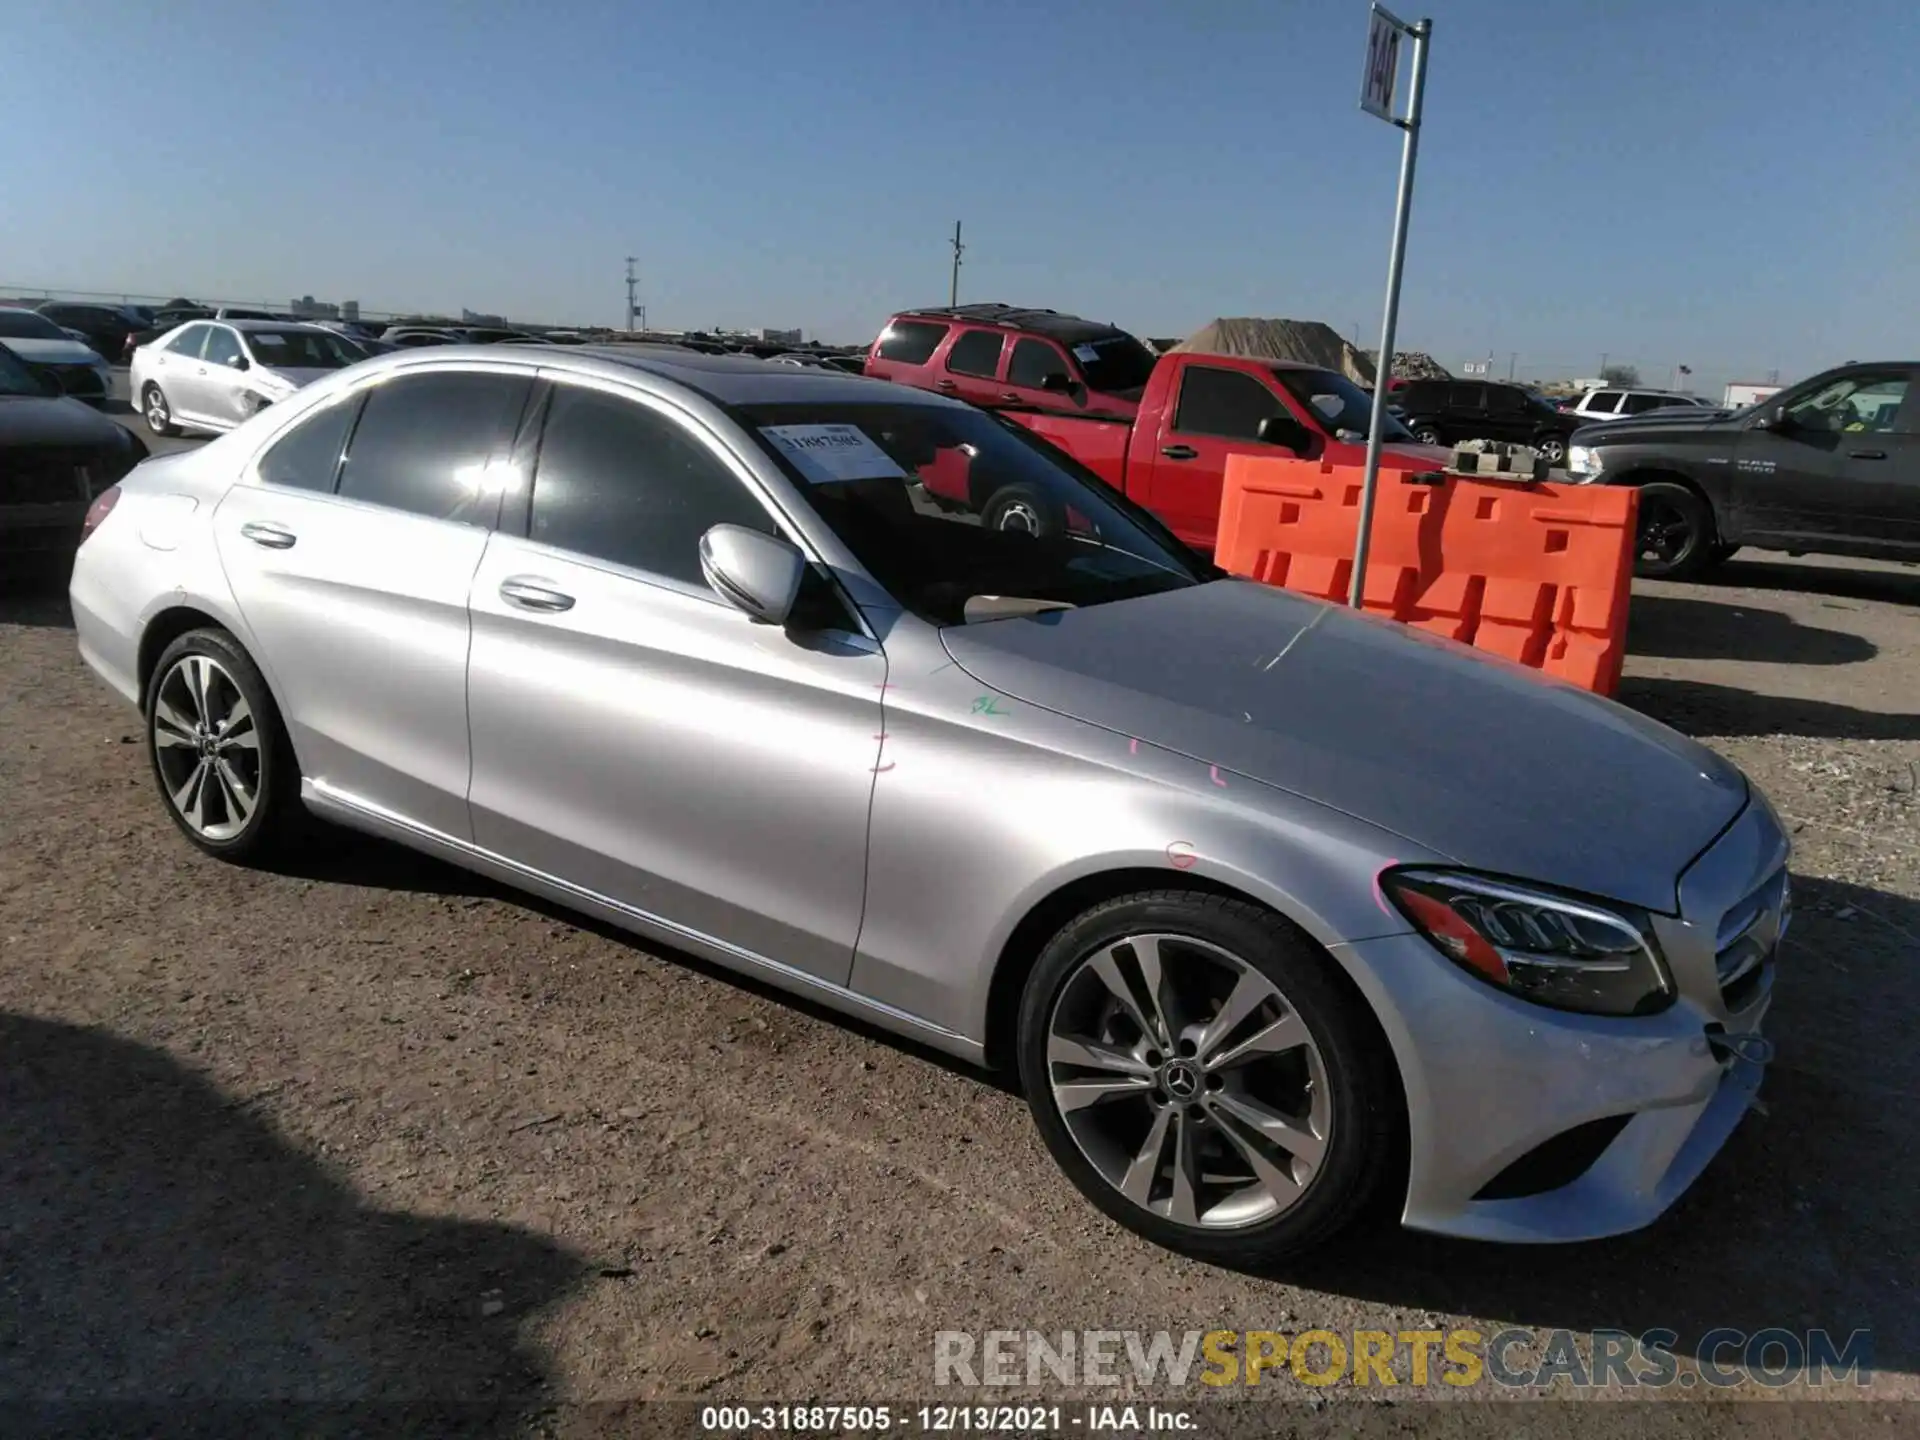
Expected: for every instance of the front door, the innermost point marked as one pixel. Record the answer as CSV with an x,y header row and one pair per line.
x,y
353,577
1217,414
1840,465
222,384
638,737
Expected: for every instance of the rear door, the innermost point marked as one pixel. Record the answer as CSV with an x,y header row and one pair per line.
x,y
969,368
904,349
1466,416
351,553
1508,416
638,737
1217,413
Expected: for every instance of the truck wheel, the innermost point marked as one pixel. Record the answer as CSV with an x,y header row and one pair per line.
x,y
1022,509
1426,434
1676,539
1553,448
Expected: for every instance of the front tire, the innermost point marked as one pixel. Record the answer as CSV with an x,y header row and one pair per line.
x,y
225,768
159,414
1023,510
1198,1069
1553,448
1426,434
1676,539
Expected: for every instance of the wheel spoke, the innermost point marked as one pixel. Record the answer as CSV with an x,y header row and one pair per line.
x,y
170,727
1272,1127
197,684
1185,1207
1249,993
238,716
247,739
238,795
1161,995
1106,965
1137,1184
1289,1032
1072,1095
190,798
1092,1055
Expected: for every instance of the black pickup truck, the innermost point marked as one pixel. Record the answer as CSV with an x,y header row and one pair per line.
x,y
1830,466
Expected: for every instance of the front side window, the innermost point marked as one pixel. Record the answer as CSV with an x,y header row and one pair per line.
x,y
1032,362
1851,405
432,444
1338,404
976,353
942,504
911,342
617,481
1467,397
307,457
188,342
1229,404
222,347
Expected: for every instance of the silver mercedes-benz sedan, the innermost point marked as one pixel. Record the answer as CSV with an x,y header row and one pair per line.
x,y
1275,911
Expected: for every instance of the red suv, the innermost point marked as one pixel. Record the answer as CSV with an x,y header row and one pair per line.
x,y
1003,356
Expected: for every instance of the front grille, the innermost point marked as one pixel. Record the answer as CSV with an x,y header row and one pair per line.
x,y
1748,938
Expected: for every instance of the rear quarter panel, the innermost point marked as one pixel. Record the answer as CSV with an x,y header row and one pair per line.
x,y
1102,445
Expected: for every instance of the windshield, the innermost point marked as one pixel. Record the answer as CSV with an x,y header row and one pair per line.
x,y
28,325
302,349
941,505
15,378
1114,365
1337,403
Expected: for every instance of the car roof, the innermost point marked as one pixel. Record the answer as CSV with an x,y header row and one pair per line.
x,y
724,379
1069,329
247,326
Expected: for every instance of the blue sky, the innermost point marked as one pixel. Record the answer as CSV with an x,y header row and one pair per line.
x,y
1734,186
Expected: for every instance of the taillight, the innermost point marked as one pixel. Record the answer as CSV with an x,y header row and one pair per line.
x,y
98,511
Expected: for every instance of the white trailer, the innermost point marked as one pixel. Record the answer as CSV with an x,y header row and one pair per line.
x,y
1740,394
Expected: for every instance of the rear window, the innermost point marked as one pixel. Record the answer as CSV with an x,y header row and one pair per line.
x,y
1603,402
1117,365
911,342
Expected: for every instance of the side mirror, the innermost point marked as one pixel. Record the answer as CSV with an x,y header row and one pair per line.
x,y
240,362
1286,432
1773,418
757,573
1058,382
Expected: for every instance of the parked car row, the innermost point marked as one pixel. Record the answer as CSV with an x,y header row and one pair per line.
x,y
56,456
1171,852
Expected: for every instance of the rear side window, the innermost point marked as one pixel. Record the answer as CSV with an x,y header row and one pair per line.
x,y
424,444
1467,397
188,342
1640,404
1603,402
1506,401
617,481
976,353
1227,403
1032,362
911,342
307,457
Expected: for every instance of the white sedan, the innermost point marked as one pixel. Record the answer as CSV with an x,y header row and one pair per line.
x,y
210,375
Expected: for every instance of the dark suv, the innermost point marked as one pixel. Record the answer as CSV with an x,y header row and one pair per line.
x,y
1828,467
1005,356
105,326
1447,412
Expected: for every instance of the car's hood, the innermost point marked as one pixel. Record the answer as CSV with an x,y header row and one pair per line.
x,y
36,422
1664,427
1470,756
52,352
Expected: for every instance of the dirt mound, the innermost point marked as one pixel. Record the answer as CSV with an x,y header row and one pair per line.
x,y
1308,342
1413,365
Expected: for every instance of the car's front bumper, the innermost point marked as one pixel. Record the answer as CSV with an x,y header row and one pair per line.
x,y
1490,1079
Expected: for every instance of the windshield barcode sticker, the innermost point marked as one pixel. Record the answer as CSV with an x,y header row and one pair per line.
x,y
826,453
1085,354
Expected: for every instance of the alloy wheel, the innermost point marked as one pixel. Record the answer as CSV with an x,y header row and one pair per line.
x,y
206,745
1189,1081
1019,517
1555,450
1666,534
159,417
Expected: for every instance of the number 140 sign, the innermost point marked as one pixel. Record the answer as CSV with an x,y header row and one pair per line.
x,y
1383,63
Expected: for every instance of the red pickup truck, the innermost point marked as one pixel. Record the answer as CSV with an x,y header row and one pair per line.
x,y
1197,410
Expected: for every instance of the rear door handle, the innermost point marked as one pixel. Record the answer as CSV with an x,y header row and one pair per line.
x,y
528,593
271,536
946,385
1866,455
1180,452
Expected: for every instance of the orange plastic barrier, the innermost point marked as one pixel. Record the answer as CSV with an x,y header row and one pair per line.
x,y
1540,574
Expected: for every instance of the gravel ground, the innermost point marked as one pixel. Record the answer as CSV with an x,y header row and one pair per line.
x,y
372,1128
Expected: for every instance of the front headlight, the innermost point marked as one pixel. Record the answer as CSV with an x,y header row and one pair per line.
x,y
1552,949
1583,460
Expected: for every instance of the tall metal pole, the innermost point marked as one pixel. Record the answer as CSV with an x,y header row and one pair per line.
x,y
1383,371
953,289
631,282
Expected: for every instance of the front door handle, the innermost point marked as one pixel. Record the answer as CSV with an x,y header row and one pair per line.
x,y
1866,454
1180,452
531,594
271,536
946,385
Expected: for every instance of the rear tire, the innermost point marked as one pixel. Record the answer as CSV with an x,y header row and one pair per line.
x,y
153,404
220,755
1676,539
1426,435
1236,1141
1023,509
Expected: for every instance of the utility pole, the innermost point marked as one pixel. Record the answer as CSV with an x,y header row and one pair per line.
x,y
1603,365
953,287
1513,359
632,280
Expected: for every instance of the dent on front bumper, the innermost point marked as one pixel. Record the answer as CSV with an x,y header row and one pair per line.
x,y
1490,1079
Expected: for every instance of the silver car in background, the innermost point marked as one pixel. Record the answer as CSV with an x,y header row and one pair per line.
x,y
209,375
1273,910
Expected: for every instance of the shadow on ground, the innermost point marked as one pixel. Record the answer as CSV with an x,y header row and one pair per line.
x,y
1679,627
162,1247
1694,707
33,592
1803,1221
1843,581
